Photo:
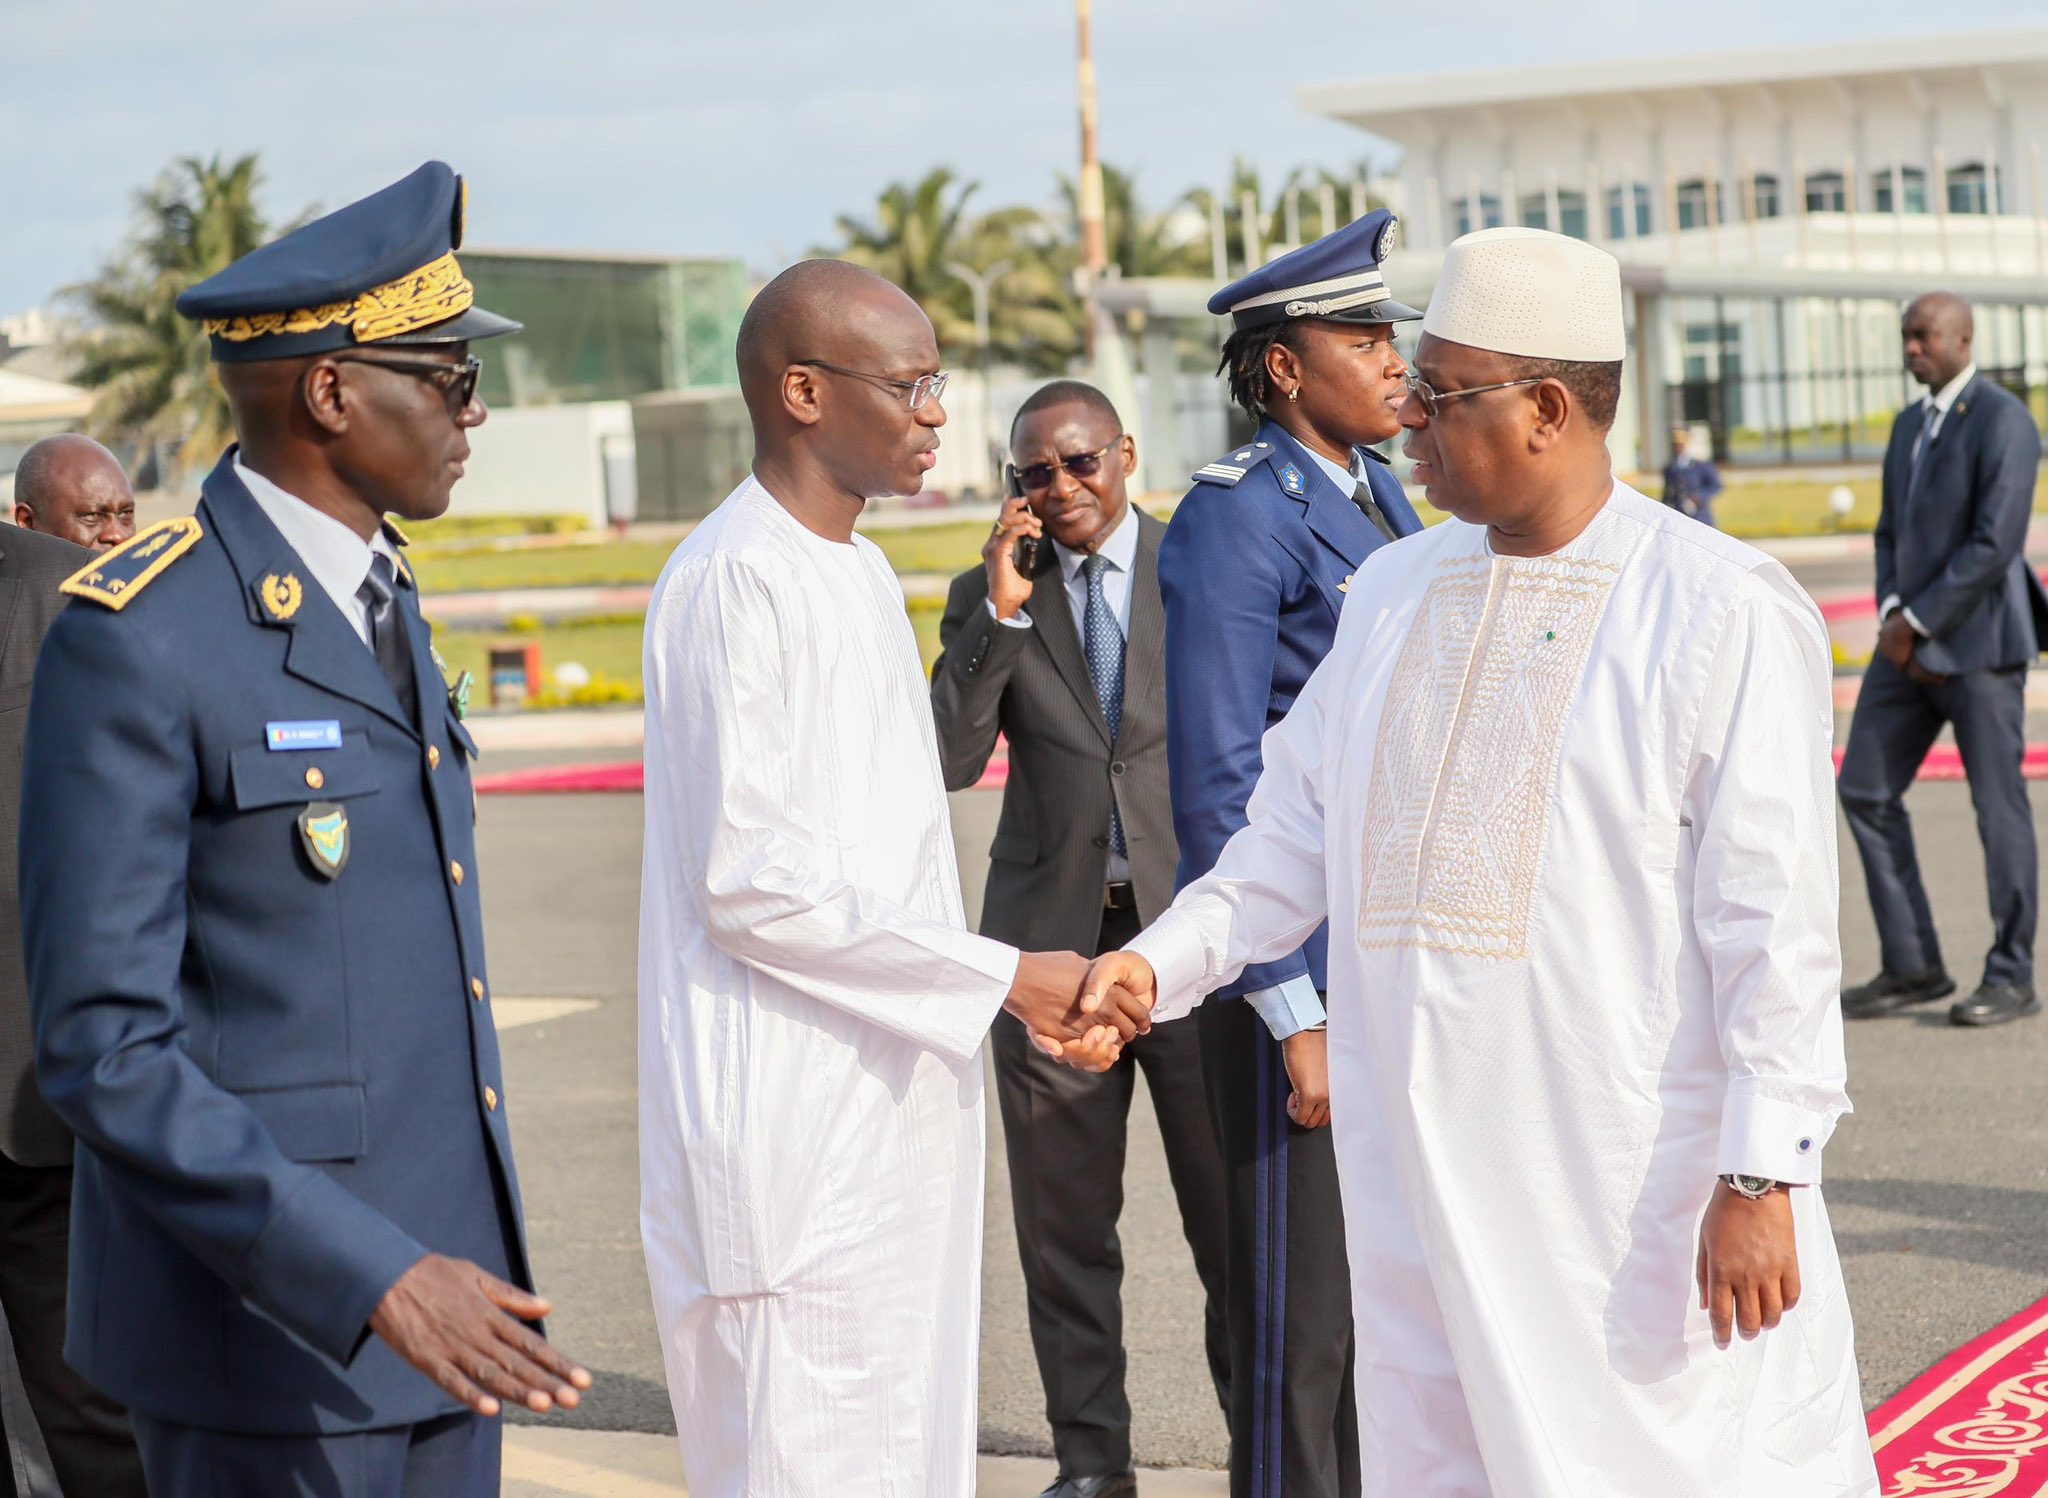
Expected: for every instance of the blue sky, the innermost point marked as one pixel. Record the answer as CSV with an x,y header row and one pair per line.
x,y
741,129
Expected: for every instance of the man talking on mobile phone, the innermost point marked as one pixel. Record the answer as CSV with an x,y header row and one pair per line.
x,y
1057,641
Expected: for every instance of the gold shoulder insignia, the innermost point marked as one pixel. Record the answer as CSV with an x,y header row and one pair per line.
x,y
398,537
115,578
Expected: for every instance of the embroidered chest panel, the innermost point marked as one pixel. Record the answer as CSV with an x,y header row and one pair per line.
x,y
1467,752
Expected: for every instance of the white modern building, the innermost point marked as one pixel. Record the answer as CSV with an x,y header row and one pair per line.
x,y
1773,212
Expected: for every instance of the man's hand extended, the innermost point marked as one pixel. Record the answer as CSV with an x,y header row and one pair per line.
x,y
461,1327
1307,1055
1008,589
1748,1266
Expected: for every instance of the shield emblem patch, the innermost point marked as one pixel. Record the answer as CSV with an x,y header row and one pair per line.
x,y
323,828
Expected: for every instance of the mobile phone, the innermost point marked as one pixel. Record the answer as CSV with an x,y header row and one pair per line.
x,y
1025,553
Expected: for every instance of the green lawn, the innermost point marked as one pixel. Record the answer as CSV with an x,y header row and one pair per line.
x,y
1751,509
609,649
607,564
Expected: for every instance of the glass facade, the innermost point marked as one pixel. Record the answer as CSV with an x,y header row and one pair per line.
x,y
602,329
1617,212
1819,379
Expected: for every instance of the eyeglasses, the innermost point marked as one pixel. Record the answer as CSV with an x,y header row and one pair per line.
x,y
924,388
1036,476
1433,398
457,381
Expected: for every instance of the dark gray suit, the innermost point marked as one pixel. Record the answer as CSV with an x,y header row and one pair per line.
x,y
1950,545
87,1435
1064,1130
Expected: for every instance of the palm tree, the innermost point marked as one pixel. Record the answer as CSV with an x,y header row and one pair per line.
x,y
919,228
916,229
1141,243
147,366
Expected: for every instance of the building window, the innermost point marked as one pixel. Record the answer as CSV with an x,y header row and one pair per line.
x,y
1825,193
1911,178
1763,189
1571,212
1971,189
1617,212
1489,213
1699,204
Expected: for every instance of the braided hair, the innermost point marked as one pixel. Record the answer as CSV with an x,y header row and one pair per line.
x,y
1244,360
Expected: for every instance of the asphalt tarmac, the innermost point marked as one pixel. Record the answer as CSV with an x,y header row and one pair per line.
x,y
1938,1185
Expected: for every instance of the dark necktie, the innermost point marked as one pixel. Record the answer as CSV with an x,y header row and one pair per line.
x,y
1362,497
1104,643
379,594
1928,416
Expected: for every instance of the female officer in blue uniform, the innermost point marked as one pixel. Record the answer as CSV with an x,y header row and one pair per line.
x,y
1254,568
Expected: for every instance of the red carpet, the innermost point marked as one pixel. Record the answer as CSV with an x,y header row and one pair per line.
x,y
1942,763
558,779
624,776
1945,762
1975,1425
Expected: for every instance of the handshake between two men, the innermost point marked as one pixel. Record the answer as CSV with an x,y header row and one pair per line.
x,y
1080,1012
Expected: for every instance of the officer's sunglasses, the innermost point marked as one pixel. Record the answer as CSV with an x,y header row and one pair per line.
x,y
1036,476
1432,398
457,381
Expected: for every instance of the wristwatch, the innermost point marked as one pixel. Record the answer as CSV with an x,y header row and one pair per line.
x,y
1755,1188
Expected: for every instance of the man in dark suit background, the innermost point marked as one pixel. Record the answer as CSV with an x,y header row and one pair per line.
x,y
1963,616
1065,661
1690,483
85,1434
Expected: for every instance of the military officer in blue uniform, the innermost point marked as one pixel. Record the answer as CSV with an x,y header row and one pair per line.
x,y
253,933
1254,568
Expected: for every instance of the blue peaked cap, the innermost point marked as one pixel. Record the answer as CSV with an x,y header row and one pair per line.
x,y
380,271
1336,278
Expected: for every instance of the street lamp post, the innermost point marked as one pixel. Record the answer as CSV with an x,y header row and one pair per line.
x,y
981,284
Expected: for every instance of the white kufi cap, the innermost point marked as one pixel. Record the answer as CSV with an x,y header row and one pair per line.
x,y
1530,293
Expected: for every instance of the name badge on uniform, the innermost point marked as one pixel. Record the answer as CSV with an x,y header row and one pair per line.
x,y
316,735
323,828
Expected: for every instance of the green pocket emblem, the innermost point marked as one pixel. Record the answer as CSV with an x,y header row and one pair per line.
x,y
323,828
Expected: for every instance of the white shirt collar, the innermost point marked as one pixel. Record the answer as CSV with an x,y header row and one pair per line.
x,y
338,558
1120,546
1946,395
1344,478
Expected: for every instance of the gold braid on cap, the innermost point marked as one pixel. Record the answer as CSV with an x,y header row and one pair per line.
x,y
434,293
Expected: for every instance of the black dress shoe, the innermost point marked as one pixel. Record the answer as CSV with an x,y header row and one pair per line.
x,y
1994,1004
1116,1485
1888,993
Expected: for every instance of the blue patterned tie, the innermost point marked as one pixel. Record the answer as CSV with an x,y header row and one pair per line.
x,y
1104,643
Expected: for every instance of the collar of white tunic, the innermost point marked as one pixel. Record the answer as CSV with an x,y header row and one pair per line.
x,y
338,558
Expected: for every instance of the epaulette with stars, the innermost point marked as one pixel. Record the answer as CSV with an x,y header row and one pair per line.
x,y
113,579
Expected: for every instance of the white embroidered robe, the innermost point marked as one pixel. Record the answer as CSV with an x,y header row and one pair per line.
x,y
1572,820
811,1020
